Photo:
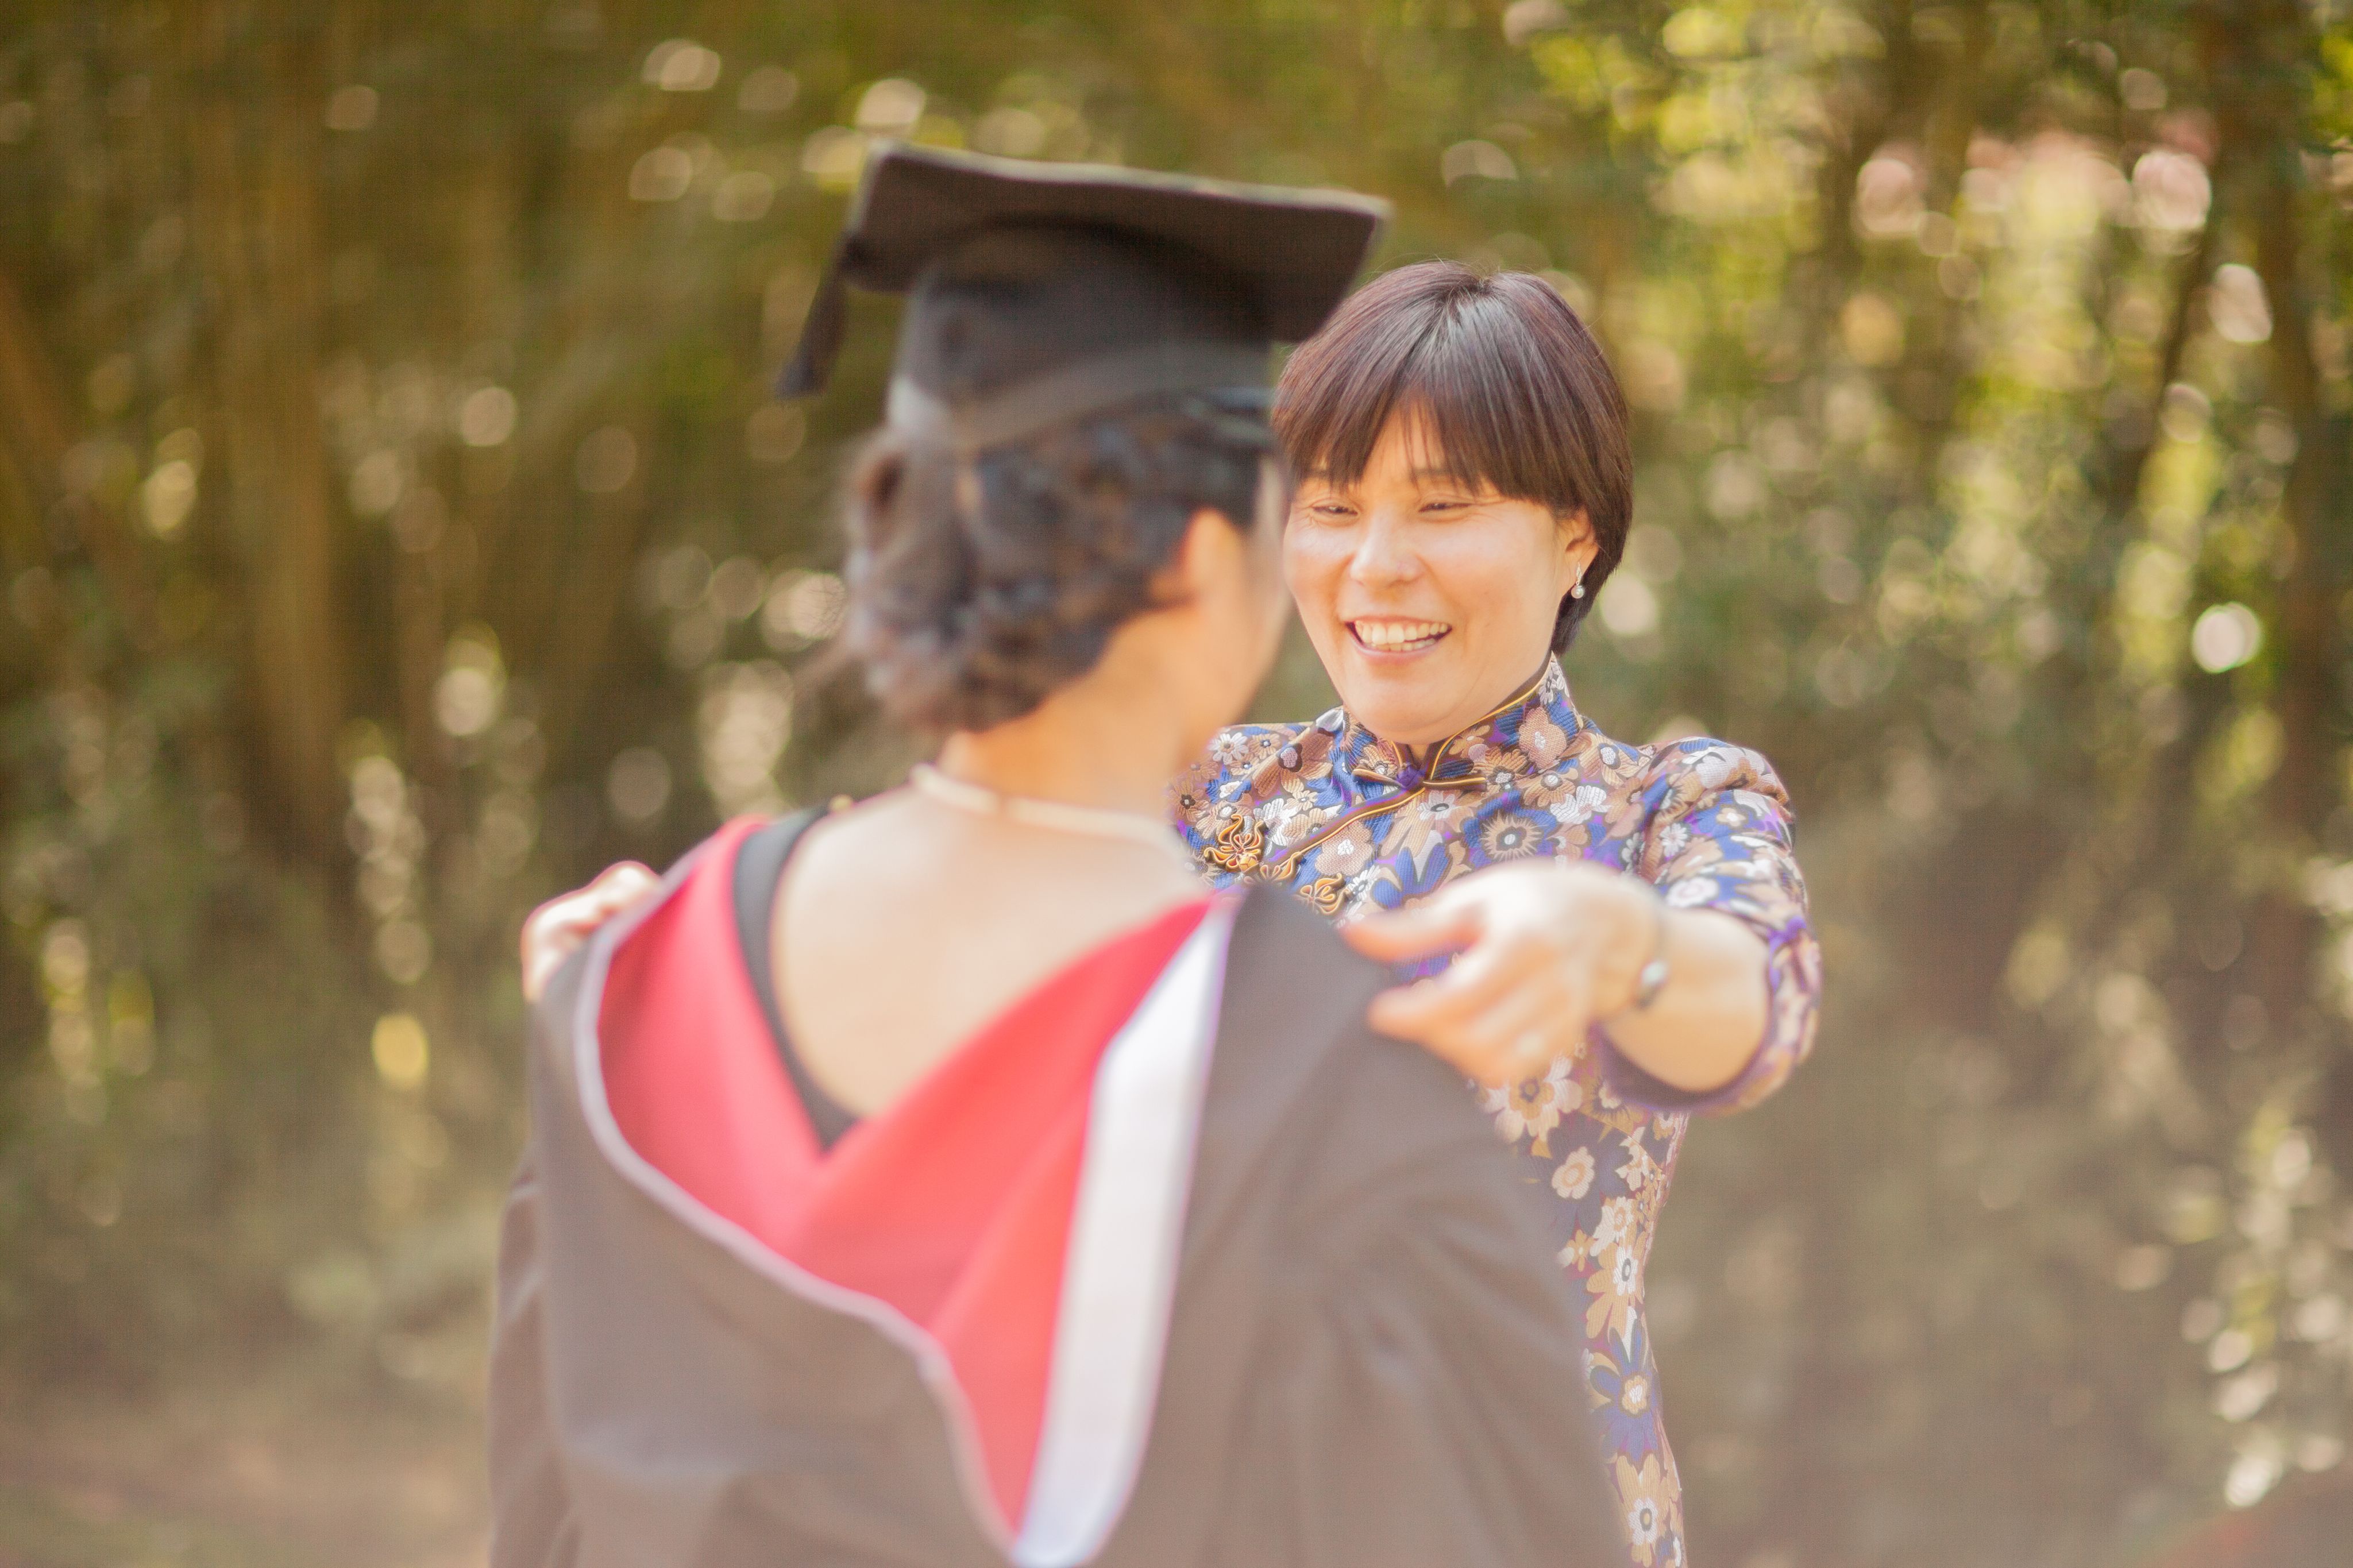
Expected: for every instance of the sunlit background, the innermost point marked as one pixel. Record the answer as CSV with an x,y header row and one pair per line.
x,y
394,528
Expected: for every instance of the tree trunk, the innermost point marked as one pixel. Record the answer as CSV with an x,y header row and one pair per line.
x,y
2262,114
255,162
40,429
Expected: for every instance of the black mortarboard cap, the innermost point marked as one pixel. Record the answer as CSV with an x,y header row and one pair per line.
x,y
1043,292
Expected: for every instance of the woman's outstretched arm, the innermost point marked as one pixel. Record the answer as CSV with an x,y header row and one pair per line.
x,y
1553,952
1549,950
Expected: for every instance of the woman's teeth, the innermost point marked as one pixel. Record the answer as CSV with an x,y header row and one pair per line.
x,y
1398,636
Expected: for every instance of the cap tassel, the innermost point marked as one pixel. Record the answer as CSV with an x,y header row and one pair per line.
x,y
811,365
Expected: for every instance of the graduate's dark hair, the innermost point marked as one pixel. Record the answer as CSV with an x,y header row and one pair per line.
x,y
977,587
1510,386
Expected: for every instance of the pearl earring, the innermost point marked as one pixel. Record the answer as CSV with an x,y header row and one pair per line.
x,y
1576,589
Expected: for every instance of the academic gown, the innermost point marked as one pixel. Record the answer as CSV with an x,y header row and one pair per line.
x,y
1304,1315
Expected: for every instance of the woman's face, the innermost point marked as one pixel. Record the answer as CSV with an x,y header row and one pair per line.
x,y
1429,599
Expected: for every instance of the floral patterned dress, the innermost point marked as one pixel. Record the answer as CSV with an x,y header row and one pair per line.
x,y
1355,825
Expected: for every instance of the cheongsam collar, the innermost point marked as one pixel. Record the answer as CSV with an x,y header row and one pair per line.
x,y
1484,752
1336,772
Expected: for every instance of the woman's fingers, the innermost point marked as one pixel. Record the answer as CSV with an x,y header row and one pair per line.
x,y
1430,1009
1519,996
1519,1037
1443,924
1502,1033
1535,939
555,929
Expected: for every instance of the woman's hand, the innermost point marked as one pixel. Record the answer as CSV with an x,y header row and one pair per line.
x,y
555,929
1550,949
1547,949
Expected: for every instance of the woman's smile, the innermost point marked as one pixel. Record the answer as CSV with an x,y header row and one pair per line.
x,y
1387,637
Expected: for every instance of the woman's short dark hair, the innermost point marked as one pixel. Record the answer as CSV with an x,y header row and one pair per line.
x,y
977,587
1514,390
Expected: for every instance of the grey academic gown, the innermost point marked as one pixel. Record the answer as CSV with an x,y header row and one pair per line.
x,y
1370,1359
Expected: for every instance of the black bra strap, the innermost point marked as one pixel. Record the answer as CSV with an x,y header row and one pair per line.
x,y
759,872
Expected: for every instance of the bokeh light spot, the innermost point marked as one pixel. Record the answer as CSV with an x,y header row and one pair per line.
x,y
834,157
2237,306
1629,607
637,784
770,90
774,434
662,174
1010,133
803,607
2171,192
607,460
744,196
168,496
890,107
403,1057
2225,636
487,417
681,65
1476,160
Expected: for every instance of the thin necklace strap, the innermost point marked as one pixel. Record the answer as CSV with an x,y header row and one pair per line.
x,y
1057,816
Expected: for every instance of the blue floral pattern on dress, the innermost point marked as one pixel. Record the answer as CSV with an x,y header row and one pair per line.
x,y
1353,824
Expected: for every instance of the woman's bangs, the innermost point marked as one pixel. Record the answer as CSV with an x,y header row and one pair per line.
x,y
1460,424
1451,388
1334,401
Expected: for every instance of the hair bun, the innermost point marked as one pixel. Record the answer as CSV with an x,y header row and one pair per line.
x,y
979,589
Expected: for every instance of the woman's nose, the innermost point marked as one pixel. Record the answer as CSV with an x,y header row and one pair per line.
x,y
1383,553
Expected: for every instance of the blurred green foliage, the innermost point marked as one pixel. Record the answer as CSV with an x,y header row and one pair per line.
x,y
393,528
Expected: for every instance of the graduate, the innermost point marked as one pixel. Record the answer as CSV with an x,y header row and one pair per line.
x,y
948,1179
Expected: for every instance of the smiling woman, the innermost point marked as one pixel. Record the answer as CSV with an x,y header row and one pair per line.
x,y
1609,937
1462,445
